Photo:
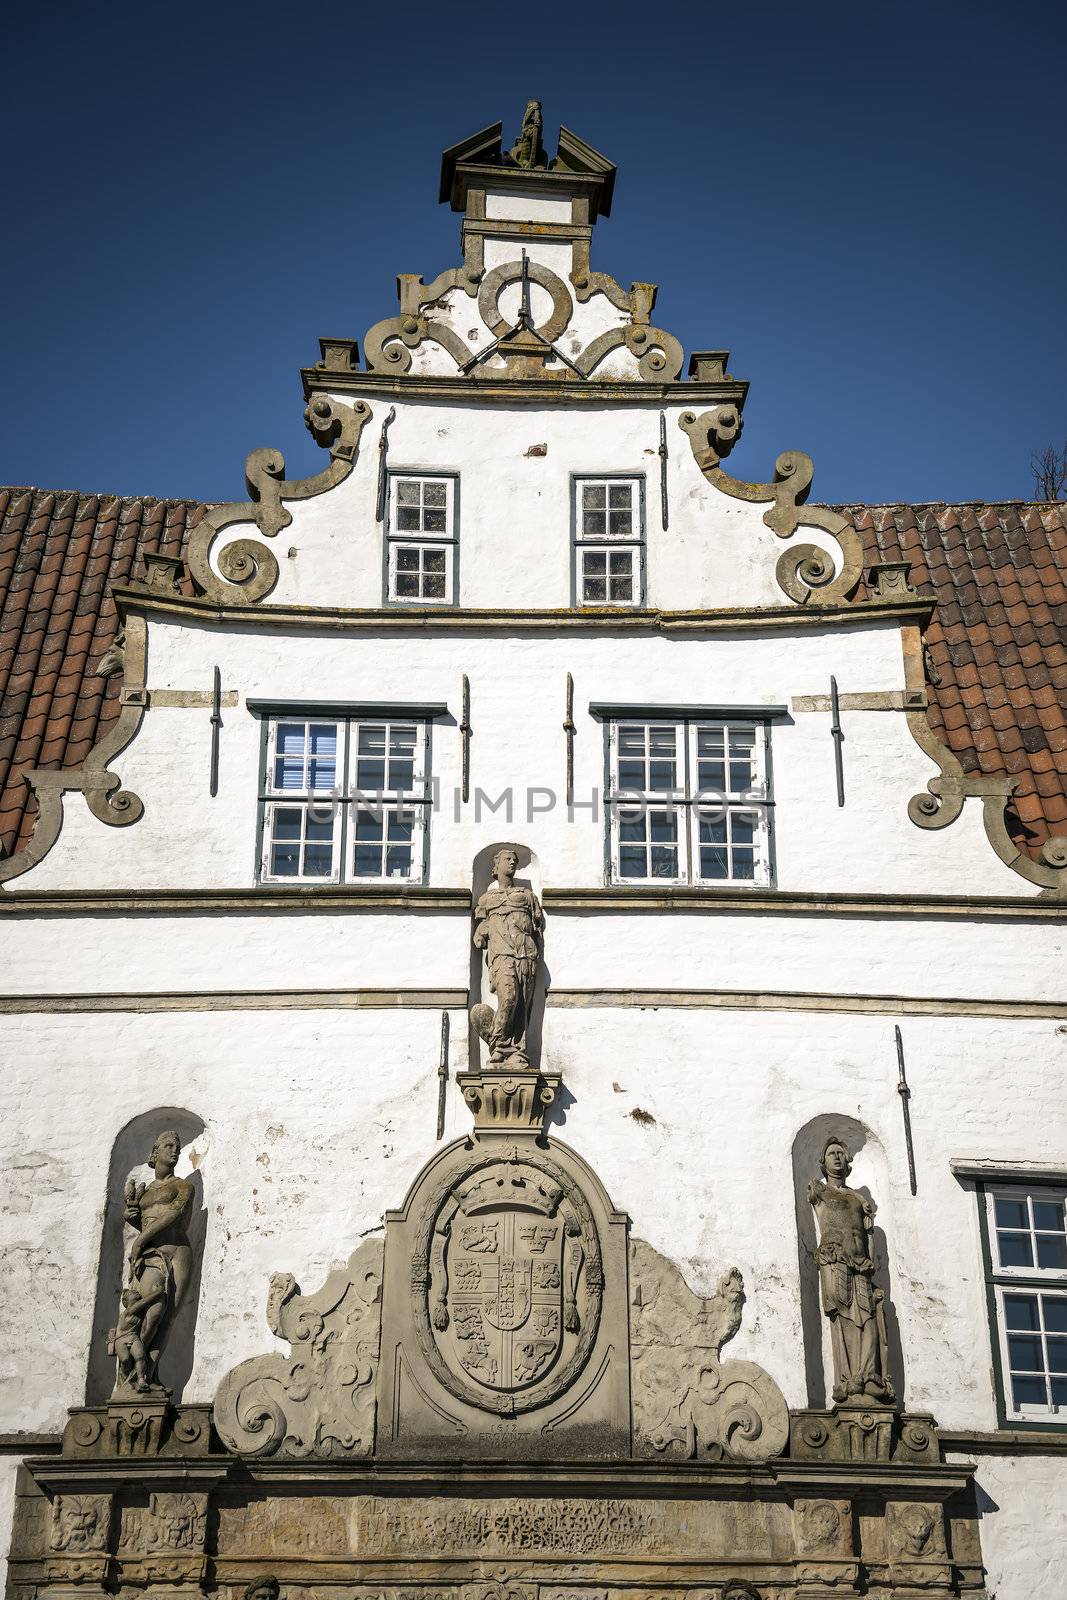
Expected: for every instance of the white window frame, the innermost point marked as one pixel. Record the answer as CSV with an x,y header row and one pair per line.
x,y
414,802
343,799
1041,1283
274,799
686,802
397,539
607,543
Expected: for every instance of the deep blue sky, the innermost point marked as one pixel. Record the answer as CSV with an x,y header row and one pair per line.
x,y
863,202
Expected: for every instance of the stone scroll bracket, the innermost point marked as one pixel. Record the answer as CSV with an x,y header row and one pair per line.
x,y
942,801
687,1402
319,1400
102,787
247,569
807,573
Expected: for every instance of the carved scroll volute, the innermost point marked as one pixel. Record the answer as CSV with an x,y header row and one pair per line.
x,y
687,1402
807,573
247,568
320,1400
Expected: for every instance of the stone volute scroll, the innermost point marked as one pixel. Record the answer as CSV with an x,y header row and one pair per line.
x,y
850,1300
687,1402
159,1269
318,1400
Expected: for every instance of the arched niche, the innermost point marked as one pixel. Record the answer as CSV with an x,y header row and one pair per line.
x,y
129,1159
870,1175
528,876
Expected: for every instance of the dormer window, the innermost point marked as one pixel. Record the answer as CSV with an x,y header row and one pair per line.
x,y
609,537
421,538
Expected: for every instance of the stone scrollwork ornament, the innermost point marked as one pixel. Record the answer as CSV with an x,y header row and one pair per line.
x,y
319,1400
508,927
687,1401
807,573
160,1265
850,1300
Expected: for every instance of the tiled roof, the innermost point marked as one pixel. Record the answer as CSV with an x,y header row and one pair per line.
x,y
59,552
997,644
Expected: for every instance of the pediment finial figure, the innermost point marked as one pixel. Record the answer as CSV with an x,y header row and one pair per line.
x,y
527,151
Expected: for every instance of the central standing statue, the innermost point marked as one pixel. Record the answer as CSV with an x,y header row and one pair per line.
x,y
846,1275
508,924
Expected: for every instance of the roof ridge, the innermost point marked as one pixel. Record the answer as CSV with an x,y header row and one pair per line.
x,y
109,494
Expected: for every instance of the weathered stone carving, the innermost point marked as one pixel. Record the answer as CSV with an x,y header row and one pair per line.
x,y
79,1538
164,1542
138,1427
915,1546
321,1399
508,926
508,1281
527,151
265,1588
846,1277
687,1401
80,1522
160,1266
863,1433
504,1317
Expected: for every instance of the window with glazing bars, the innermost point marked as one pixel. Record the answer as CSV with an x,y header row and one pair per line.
x,y
689,801
609,533
421,539
1026,1234
345,799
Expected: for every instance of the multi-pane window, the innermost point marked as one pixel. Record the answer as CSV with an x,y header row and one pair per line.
x,y
421,539
689,801
345,799
1027,1233
609,517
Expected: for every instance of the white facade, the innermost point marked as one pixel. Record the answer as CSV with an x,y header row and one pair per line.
x,y
706,1044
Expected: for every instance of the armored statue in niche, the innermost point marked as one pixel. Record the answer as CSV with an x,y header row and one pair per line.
x,y
846,1277
160,1265
508,926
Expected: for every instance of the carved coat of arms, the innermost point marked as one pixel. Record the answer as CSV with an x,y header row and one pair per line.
x,y
510,1280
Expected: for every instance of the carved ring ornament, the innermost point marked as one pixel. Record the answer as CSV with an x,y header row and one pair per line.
x,y
494,283
507,1281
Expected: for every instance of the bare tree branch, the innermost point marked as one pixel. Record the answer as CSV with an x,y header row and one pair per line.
x,y
1049,467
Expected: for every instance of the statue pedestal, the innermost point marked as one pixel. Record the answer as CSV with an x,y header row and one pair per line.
x,y
510,1102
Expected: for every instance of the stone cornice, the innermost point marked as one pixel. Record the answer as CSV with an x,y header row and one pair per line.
x,y
355,1476
610,900
137,599
524,391
319,898
626,898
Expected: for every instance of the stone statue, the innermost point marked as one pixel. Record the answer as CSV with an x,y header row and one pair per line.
x,y
508,925
846,1277
527,150
160,1266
